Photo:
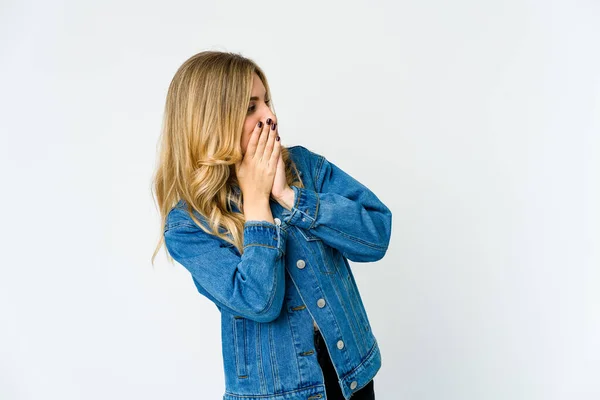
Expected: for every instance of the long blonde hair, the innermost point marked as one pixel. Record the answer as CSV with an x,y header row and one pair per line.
x,y
204,115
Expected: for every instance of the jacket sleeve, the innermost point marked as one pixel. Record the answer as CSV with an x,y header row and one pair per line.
x,y
251,285
342,212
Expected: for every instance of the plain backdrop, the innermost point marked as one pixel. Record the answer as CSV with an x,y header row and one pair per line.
x,y
476,122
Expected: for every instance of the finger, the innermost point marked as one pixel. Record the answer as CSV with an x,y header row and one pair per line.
x,y
276,154
262,140
270,141
251,149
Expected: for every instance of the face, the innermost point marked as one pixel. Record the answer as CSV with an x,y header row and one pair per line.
x,y
258,110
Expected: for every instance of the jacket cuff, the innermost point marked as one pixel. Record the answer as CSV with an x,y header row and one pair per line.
x,y
305,209
264,234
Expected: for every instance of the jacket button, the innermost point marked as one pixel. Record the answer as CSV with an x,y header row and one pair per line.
x,y
277,221
340,344
300,264
321,303
353,385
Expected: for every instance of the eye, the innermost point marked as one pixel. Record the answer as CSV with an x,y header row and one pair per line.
x,y
252,107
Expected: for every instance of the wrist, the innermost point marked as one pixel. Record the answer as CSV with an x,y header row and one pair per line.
x,y
286,199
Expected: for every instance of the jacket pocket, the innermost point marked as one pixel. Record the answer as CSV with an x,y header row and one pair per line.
x,y
241,353
322,253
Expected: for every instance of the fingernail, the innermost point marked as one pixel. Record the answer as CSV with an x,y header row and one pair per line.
x,y
260,124
268,121
278,138
274,126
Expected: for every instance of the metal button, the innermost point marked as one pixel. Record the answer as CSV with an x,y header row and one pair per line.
x,y
300,264
321,303
353,385
340,344
277,221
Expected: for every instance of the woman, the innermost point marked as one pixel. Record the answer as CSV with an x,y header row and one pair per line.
x,y
266,233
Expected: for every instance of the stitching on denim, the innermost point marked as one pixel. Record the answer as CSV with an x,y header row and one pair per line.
x,y
261,371
354,294
345,310
357,315
287,315
246,350
315,256
180,223
259,245
318,168
366,359
358,240
274,283
274,365
239,330
316,211
327,262
320,162
265,224
353,288
298,195
262,396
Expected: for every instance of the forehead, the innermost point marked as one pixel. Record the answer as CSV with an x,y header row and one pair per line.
x,y
257,86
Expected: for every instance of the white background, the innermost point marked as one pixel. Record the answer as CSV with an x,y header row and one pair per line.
x,y
476,122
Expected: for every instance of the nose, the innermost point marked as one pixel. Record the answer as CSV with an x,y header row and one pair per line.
x,y
268,114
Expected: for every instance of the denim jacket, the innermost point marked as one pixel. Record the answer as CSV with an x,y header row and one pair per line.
x,y
293,275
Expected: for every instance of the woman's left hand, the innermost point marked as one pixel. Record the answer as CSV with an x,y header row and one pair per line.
x,y
281,191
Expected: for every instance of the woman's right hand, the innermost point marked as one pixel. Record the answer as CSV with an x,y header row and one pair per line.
x,y
256,172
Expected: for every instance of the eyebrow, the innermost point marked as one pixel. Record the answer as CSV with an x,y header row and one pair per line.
x,y
256,97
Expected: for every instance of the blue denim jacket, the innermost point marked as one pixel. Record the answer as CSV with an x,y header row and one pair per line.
x,y
292,274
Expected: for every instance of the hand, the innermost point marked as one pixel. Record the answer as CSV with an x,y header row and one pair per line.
x,y
256,172
281,191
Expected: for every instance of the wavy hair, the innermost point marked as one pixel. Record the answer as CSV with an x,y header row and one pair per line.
x,y
200,142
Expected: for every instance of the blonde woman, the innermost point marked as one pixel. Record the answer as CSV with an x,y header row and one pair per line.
x,y
266,233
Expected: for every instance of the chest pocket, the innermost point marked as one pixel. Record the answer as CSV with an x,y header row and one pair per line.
x,y
321,252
